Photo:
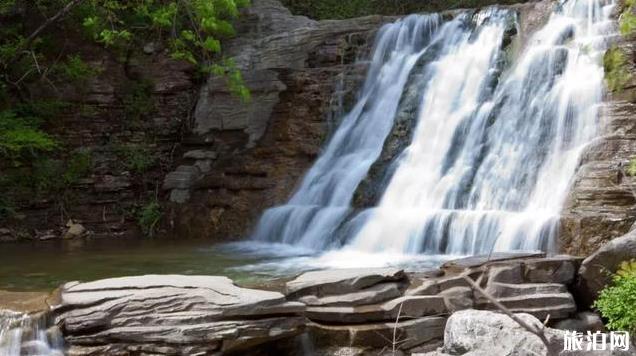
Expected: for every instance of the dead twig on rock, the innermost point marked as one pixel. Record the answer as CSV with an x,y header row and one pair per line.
x,y
539,332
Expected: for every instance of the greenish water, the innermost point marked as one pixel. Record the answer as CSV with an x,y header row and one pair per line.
x,y
43,266
46,265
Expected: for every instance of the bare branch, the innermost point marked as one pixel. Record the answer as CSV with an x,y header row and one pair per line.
x,y
397,320
531,328
29,40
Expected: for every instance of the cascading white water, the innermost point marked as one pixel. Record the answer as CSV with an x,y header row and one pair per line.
x,y
22,334
495,146
493,173
322,201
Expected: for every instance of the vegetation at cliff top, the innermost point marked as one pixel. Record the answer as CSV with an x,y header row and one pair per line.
x,y
45,50
617,302
338,9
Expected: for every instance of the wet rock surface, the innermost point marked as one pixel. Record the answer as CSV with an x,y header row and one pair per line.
x,y
368,311
526,283
601,205
171,312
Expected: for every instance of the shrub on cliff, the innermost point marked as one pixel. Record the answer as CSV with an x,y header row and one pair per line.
x,y
617,302
338,9
617,73
191,30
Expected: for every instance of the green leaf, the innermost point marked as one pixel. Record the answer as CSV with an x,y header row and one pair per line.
x,y
212,45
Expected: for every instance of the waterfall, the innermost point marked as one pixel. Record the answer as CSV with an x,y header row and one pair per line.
x,y
322,201
23,334
496,141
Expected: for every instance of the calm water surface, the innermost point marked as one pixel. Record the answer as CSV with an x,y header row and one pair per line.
x,y
46,265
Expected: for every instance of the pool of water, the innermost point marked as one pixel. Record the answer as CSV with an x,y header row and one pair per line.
x,y
46,265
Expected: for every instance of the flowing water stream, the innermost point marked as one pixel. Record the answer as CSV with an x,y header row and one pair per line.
x,y
496,141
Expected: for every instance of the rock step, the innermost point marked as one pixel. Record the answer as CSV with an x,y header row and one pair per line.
x,y
435,286
341,281
505,290
374,294
408,334
531,301
556,312
559,305
407,307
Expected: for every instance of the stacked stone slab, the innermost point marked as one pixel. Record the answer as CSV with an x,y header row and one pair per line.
x,y
387,308
363,309
172,315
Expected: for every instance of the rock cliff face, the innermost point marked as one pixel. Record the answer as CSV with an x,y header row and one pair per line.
x,y
244,157
602,202
100,120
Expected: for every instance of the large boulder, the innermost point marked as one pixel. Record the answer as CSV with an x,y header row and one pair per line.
x,y
487,333
496,333
171,314
596,270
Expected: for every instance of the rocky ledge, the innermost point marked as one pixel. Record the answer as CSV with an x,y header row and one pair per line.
x,y
442,311
356,311
171,314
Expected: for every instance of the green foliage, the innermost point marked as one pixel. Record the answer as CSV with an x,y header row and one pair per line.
x,y
137,100
338,9
6,208
78,166
631,168
49,176
617,74
148,217
228,69
43,110
627,21
6,6
45,176
191,29
21,138
617,303
76,70
137,158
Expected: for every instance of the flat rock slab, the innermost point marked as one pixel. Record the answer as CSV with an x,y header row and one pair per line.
x,y
341,281
408,307
168,310
374,294
477,261
408,334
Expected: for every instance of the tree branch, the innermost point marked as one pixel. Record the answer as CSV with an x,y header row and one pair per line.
x,y
29,40
531,328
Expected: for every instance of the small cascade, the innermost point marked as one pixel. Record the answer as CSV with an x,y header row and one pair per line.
x,y
23,335
495,134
